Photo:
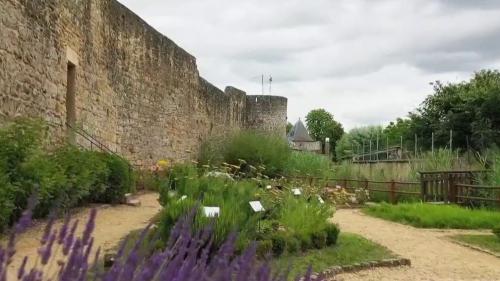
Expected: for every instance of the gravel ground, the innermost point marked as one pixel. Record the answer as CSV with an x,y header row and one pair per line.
x,y
112,224
433,256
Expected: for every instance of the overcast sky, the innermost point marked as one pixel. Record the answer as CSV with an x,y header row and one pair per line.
x,y
368,62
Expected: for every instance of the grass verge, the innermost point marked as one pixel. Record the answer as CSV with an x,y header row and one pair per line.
x,y
350,249
436,216
490,243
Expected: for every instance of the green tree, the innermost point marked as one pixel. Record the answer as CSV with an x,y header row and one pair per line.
x,y
469,108
357,141
322,125
289,127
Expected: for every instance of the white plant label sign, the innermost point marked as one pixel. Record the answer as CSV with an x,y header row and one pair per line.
x,y
184,197
257,206
269,187
211,212
321,201
296,192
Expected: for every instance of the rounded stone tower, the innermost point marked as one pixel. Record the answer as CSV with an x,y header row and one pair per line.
x,y
267,113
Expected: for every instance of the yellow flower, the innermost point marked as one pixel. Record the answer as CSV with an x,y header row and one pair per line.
x,y
162,163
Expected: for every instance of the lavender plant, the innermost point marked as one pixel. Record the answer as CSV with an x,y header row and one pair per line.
x,y
187,257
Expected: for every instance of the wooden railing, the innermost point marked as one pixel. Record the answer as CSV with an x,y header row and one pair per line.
x,y
442,185
449,187
468,193
393,188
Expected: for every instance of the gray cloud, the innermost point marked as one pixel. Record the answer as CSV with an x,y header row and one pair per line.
x,y
367,62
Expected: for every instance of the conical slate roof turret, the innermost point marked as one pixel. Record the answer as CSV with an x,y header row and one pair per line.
x,y
299,133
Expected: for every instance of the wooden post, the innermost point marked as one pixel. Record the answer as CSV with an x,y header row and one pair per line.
x,y
345,184
423,189
310,181
393,192
452,195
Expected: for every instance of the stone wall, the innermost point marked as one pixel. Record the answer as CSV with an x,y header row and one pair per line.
x,y
136,90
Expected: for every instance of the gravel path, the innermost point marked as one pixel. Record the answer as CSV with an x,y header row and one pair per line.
x,y
112,224
433,256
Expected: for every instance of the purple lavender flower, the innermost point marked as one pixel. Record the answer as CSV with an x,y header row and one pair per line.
x,y
22,268
89,227
187,258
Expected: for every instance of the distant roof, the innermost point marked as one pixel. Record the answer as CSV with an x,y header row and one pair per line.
x,y
299,133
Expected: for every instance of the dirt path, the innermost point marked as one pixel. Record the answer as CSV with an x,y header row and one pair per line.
x,y
112,224
433,256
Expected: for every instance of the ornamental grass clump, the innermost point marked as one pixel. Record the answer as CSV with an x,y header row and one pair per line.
x,y
63,255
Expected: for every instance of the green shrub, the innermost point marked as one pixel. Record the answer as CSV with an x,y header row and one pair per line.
x,y
496,231
231,197
61,179
332,233
279,244
308,164
86,173
303,218
293,245
42,176
318,239
255,148
119,180
264,248
305,242
6,201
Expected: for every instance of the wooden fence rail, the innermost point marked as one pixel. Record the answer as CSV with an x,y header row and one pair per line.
x,y
449,187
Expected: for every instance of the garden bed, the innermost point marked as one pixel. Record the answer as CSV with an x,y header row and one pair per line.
x,y
436,216
485,243
351,252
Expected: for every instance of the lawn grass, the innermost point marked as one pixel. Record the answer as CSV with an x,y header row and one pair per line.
x,y
436,216
486,242
350,249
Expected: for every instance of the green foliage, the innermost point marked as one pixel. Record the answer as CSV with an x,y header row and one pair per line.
x,y
319,239
436,216
292,245
279,244
289,127
210,191
353,142
322,125
303,218
308,164
255,148
487,242
441,160
6,201
496,231
332,234
62,179
305,242
350,249
288,219
469,108
264,248
258,149
119,181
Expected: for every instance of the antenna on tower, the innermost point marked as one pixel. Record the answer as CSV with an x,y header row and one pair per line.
x,y
262,84
270,83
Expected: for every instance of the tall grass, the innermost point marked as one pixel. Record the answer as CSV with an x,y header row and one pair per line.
x,y
303,218
255,148
440,160
308,164
436,216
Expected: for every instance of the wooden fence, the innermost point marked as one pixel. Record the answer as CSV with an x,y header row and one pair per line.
x,y
447,186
